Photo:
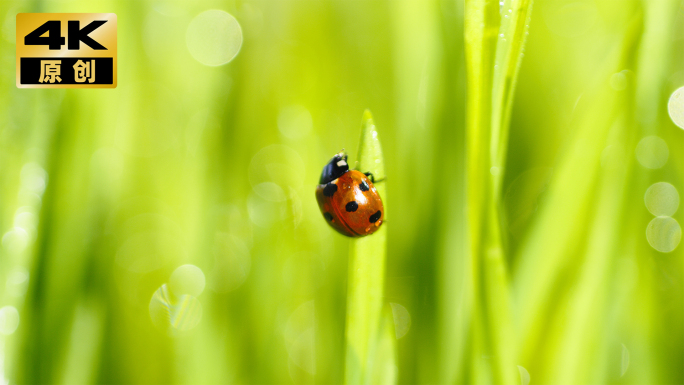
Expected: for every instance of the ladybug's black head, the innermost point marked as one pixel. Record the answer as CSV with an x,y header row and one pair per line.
x,y
335,168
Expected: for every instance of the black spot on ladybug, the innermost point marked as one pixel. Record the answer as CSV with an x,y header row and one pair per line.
x,y
351,207
328,216
374,218
330,189
364,186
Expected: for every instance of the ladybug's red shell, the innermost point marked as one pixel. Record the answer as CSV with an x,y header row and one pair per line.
x,y
351,205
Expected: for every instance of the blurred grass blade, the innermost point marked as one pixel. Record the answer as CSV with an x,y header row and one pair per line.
x,y
494,40
384,369
509,54
366,273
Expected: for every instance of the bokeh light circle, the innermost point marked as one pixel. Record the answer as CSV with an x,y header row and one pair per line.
x,y
9,320
652,152
187,279
662,199
402,319
663,234
214,37
174,313
300,337
675,107
274,171
294,122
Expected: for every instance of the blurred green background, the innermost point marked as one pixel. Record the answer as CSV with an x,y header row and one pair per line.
x,y
104,193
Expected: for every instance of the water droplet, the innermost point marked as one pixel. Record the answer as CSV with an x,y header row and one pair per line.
x,y
661,199
171,313
652,152
9,320
402,319
214,37
675,107
506,16
495,170
187,279
524,375
501,35
625,361
663,234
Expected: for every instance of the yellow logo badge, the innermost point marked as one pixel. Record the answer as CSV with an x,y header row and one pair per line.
x,y
66,50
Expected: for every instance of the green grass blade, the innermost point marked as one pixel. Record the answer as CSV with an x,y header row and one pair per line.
x,y
366,273
494,41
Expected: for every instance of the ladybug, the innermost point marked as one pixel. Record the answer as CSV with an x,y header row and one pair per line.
x,y
348,200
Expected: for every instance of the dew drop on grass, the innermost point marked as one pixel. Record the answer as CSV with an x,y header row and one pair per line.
x,y
524,375
187,279
663,234
624,363
662,199
9,320
652,152
675,107
214,37
402,319
174,313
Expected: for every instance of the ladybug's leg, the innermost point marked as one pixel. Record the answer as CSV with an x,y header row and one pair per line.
x,y
372,178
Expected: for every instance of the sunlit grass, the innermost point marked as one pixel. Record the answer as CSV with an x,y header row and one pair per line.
x,y
525,239
369,335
